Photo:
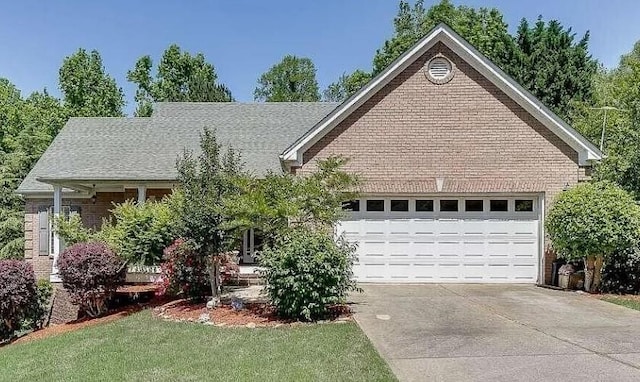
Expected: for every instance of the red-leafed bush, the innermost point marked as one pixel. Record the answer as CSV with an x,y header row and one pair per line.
x,y
91,272
17,295
184,271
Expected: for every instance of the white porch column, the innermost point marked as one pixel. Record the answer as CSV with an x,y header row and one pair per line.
x,y
142,194
57,207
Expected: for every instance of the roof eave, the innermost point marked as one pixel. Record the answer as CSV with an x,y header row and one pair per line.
x,y
587,152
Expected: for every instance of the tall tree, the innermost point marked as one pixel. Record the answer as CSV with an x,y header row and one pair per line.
x,y
553,65
346,86
484,28
88,91
291,80
616,90
27,127
546,59
180,77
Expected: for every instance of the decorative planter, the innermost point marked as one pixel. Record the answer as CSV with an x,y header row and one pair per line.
x,y
143,274
570,281
563,281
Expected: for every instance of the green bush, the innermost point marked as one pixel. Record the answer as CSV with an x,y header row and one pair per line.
x,y
37,315
307,271
140,232
72,231
592,221
621,272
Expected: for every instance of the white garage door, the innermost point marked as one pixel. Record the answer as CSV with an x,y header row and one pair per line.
x,y
452,239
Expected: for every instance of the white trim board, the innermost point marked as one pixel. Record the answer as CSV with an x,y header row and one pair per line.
x,y
292,156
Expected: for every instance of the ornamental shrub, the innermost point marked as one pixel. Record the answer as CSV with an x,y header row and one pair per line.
x,y
38,315
139,232
17,295
621,272
91,272
71,229
592,221
184,271
307,271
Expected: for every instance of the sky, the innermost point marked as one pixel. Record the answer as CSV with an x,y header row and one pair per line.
x,y
244,38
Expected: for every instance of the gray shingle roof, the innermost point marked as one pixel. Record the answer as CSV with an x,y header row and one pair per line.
x,y
137,149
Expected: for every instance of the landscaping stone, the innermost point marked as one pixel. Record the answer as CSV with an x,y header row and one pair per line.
x,y
252,294
204,317
213,303
251,325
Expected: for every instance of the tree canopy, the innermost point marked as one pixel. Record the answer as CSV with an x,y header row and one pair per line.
x,y
615,92
544,58
27,126
346,86
180,77
291,80
87,90
484,28
551,64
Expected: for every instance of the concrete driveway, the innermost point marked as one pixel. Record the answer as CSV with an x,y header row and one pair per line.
x,y
478,332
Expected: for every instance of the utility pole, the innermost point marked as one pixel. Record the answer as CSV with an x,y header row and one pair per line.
x,y
605,109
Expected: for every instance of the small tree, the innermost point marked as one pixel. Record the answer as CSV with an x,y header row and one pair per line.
x,y
205,182
281,202
592,221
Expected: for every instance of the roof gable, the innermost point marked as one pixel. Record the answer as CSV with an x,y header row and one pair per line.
x,y
292,156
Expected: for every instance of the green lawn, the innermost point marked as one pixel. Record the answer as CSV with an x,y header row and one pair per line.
x,y
143,348
627,302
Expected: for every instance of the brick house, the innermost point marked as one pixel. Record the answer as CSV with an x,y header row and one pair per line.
x,y
459,163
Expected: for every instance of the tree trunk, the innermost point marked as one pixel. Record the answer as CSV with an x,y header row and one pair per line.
x,y
214,279
589,267
597,273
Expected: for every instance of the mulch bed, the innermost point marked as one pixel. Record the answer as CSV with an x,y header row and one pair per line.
x,y
253,315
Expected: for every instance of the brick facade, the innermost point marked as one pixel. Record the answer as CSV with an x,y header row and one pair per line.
x,y
91,213
466,132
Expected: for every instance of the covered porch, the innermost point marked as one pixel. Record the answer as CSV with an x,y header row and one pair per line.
x,y
93,200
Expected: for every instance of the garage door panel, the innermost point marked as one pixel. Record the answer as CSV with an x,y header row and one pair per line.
x,y
424,248
400,227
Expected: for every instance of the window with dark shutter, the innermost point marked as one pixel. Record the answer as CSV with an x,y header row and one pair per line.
x,y
43,230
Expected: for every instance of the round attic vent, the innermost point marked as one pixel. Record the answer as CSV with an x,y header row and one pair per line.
x,y
439,70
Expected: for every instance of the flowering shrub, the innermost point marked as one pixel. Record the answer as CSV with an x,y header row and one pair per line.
x,y
17,295
91,272
185,271
307,271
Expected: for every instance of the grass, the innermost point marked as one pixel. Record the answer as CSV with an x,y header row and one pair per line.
x,y
144,348
632,303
